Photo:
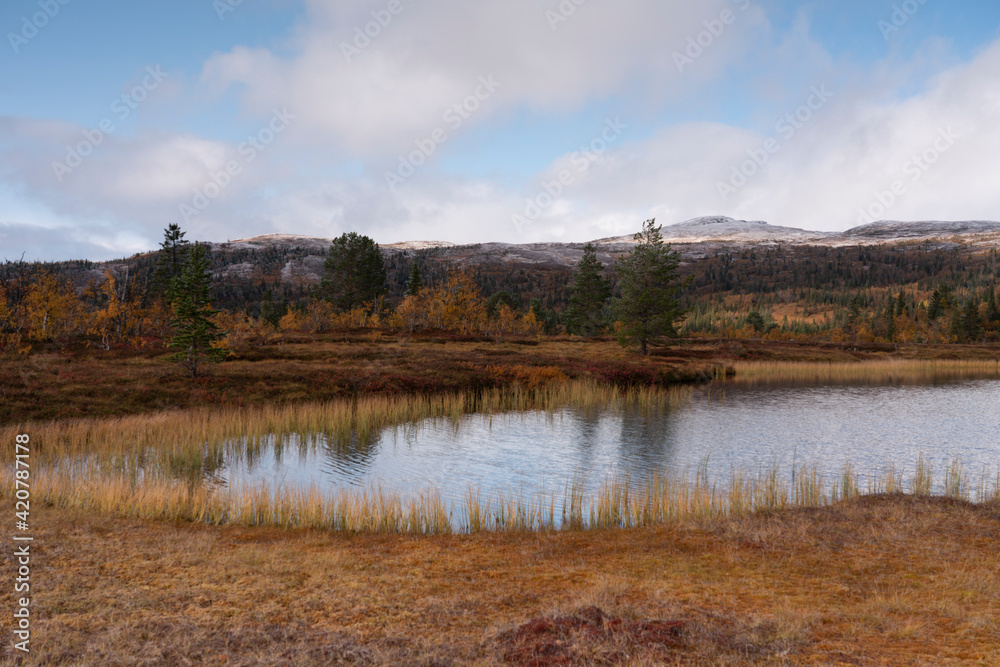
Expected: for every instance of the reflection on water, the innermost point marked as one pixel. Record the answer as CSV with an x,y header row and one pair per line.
x,y
742,428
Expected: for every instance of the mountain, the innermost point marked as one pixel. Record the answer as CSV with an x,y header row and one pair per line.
x,y
720,228
723,252
893,231
695,239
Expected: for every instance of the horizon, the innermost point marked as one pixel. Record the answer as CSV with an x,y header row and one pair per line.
x,y
509,121
446,243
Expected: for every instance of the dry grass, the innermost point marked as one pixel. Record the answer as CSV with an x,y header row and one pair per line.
x,y
298,369
881,371
155,467
877,580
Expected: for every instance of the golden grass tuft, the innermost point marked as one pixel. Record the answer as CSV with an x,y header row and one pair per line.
x,y
881,371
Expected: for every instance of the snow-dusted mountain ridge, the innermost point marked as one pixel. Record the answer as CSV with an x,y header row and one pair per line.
x,y
694,238
710,229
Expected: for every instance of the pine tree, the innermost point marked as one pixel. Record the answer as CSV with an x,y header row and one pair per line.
x,y
589,294
937,305
545,316
354,272
649,307
973,328
756,320
414,283
171,259
900,304
271,311
194,332
499,299
992,312
890,320
957,328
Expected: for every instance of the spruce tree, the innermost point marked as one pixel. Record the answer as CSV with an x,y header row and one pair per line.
x,y
194,332
992,312
973,328
957,327
936,306
890,320
649,307
271,311
414,283
354,272
171,259
589,294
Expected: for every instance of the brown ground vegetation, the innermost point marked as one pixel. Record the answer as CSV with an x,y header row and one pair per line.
x,y
886,579
88,383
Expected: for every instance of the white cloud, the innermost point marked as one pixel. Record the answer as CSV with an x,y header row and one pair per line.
x,y
432,54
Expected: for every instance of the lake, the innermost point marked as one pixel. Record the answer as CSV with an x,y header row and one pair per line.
x,y
724,427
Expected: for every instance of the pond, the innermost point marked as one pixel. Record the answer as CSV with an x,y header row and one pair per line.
x,y
724,427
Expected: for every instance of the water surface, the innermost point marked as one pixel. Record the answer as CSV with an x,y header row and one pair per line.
x,y
723,428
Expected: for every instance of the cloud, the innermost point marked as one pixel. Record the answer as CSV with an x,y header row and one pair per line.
x,y
848,155
431,55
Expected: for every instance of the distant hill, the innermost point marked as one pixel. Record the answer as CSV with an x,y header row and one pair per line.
x,y
723,253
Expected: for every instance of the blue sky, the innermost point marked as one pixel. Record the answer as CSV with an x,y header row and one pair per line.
x,y
486,121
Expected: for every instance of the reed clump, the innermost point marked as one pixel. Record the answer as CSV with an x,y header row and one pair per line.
x,y
161,467
882,371
185,439
619,502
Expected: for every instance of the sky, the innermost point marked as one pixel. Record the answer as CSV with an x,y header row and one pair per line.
x,y
497,120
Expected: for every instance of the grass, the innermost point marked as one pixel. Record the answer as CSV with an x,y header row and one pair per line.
x,y
156,466
883,371
887,579
135,560
321,368
305,370
618,503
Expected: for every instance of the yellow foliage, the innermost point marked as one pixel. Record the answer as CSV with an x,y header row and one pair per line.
x,y
242,332
508,322
51,306
458,305
529,377
122,319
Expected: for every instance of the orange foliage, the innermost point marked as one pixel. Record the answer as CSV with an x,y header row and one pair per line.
x,y
51,307
242,332
529,377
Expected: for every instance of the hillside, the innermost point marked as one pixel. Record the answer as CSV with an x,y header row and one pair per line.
x,y
724,256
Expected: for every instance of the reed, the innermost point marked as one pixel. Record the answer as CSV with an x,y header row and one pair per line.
x,y
922,482
619,502
884,371
161,467
189,440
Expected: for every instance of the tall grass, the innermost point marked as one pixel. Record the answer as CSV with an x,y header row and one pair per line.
x,y
885,371
619,502
159,467
187,440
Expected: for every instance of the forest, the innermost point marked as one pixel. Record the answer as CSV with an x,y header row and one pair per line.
x,y
899,293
